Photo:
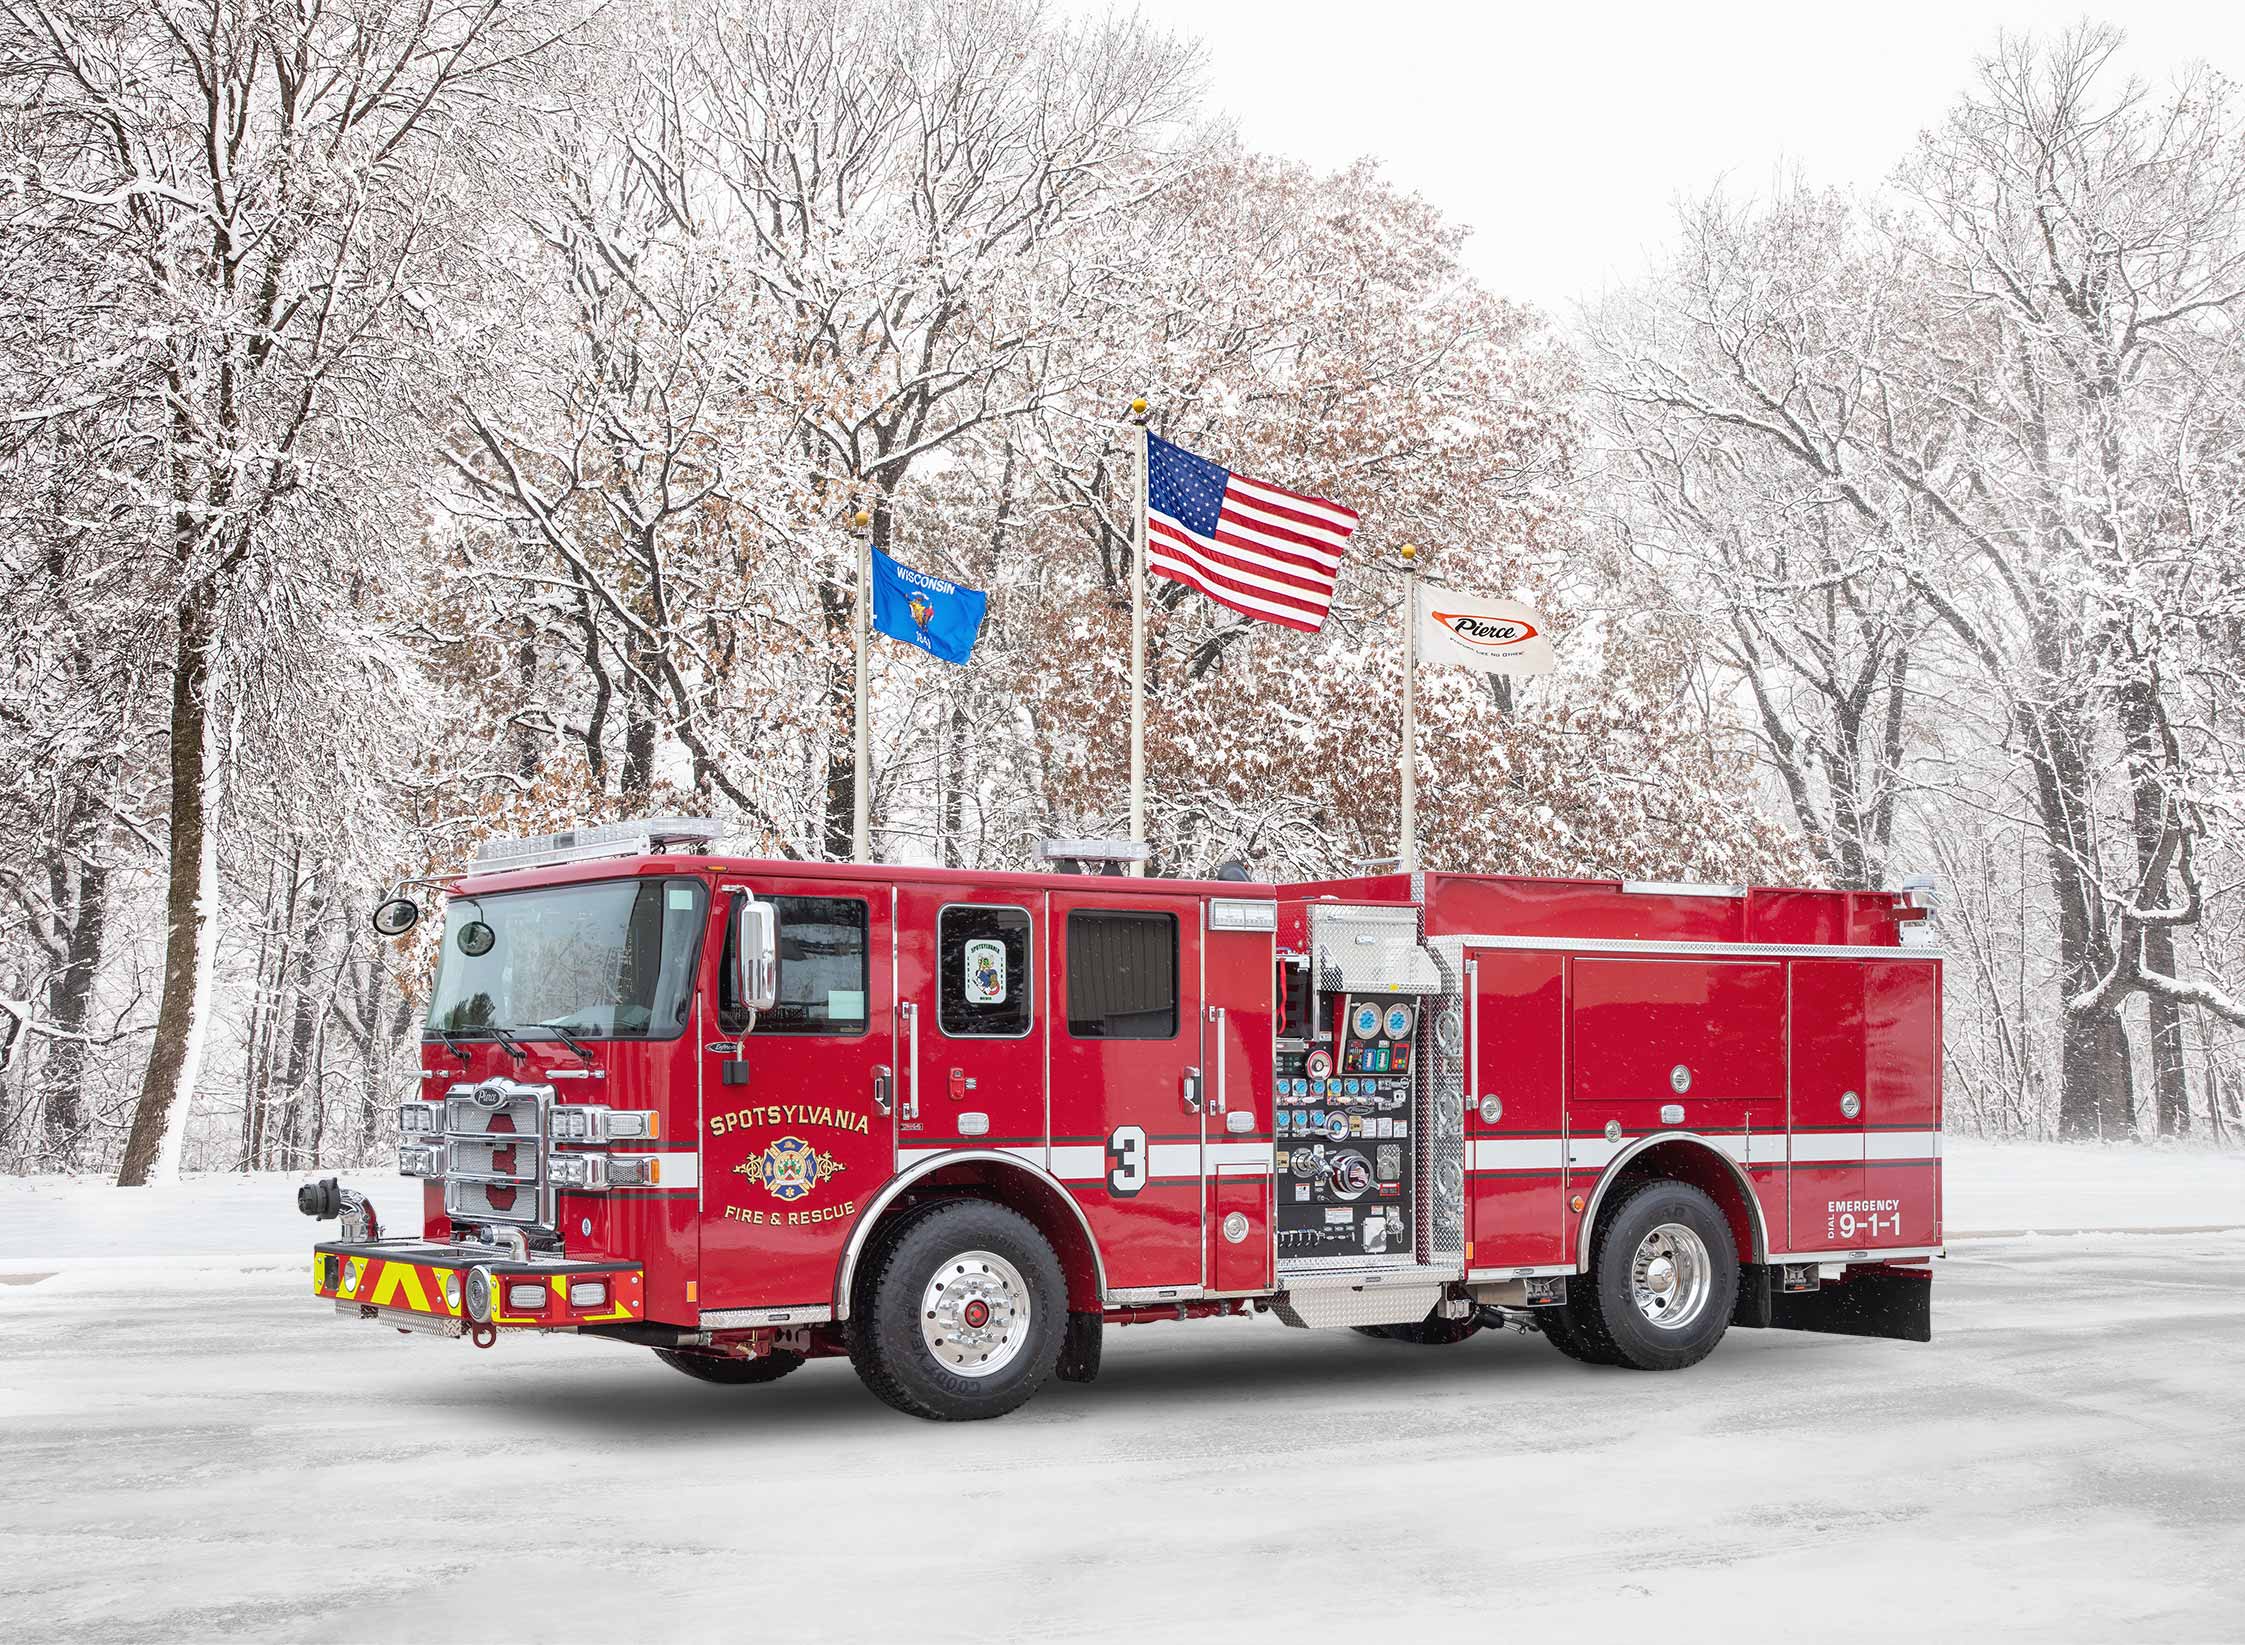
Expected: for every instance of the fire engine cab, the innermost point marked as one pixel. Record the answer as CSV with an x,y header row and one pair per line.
x,y
954,1124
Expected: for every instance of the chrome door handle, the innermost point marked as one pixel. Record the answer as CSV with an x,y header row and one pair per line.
x,y
911,1059
881,1088
1192,1090
1470,1075
1216,1016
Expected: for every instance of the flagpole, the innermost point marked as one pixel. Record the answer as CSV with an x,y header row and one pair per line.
x,y
1407,830
861,819
1138,644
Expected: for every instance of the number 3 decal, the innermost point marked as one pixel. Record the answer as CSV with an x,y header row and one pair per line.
x,y
1126,1159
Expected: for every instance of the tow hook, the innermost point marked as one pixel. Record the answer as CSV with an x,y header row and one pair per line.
x,y
483,1336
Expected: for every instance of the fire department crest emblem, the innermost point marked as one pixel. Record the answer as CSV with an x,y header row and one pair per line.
x,y
790,1168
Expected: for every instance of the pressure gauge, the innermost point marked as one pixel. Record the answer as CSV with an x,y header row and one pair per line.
x,y
1398,1022
1365,1021
1320,1063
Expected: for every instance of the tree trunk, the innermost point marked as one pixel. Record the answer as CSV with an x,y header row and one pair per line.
x,y
2170,1078
69,1007
2096,1095
638,775
167,1087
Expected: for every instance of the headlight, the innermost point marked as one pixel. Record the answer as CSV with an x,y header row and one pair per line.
x,y
479,1294
420,1159
420,1118
577,1171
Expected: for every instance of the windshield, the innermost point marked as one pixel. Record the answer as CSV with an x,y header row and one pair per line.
x,y
611,960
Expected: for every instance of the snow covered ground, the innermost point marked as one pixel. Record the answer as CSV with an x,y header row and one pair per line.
x,y
196,1449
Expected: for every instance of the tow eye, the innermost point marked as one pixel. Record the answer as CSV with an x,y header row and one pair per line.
x,y
328,1198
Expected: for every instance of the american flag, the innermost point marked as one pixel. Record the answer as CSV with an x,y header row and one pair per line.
x,y
1262,550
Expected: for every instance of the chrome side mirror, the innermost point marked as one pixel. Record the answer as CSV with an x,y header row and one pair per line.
x,y
756,954
395,917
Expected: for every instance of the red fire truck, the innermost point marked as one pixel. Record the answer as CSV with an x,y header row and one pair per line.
x,y
954,1124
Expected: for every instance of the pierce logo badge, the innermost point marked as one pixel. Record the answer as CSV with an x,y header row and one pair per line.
x,y
1484,633
790,1168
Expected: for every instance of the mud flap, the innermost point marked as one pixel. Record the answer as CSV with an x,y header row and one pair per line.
x,y
1867,1300
1079,1348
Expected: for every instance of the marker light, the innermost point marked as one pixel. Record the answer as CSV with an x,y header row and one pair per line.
x,y
588,1293
526,1297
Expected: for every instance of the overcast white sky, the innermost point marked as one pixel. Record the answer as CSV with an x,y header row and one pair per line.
x,y
1563,133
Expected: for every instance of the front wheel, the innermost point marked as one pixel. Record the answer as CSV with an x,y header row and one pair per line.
x,y
962,1316
1663,1280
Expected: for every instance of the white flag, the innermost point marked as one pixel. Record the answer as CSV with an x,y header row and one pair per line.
x,y
1475,631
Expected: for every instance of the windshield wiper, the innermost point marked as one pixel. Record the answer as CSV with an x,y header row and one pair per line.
x,y
562,1034
513,1045
451,1042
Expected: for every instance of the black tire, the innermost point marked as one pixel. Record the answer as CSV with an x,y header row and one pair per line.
x,y
898,1360
1561,1331
728,1369
1602,1314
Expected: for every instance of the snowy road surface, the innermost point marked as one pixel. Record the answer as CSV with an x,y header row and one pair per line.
x,y
208,1453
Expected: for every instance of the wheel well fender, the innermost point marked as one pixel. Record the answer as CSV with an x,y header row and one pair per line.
x,y
1679,1156
1003,1179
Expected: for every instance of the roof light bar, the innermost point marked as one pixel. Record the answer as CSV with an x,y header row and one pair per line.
x,y
1093,850
624,839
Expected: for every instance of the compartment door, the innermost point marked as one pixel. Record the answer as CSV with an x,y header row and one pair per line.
x,y
1515,1026
1684,1044
1865,1035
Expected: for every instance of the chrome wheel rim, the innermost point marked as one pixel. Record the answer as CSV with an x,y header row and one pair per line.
x,y
975,1314
1670,1277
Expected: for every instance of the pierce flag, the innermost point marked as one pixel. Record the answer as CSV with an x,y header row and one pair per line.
x,y
1262,550
1476,631
938,616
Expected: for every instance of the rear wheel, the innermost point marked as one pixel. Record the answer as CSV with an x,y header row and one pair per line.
x,y
1563,1332
1663,1280
728,1369
962,1316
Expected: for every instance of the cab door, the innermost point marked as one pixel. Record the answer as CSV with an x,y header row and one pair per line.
x,y
1128,1080
797,1128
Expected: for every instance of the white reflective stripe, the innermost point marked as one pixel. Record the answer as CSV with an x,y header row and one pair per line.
x,y
1079,1163
1173,1159
1594,1151
1898,1145
1227,1155
1766,1148
1519,1154
1828,1148
1735,1147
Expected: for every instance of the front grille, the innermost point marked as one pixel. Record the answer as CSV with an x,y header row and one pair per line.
x,y
495,1154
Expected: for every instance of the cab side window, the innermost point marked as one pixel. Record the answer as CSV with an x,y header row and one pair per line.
x,y
983,986
1122,975
822,970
